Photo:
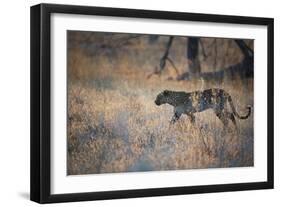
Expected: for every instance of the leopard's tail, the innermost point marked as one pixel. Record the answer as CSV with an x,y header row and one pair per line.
x,y
235,112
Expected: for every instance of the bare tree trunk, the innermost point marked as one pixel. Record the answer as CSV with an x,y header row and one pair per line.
x,y
192,56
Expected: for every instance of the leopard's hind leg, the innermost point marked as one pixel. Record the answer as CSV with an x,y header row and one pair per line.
x,y
224,119
224,116
232,118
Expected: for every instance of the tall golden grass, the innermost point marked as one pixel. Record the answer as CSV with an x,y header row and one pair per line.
x,y
114,126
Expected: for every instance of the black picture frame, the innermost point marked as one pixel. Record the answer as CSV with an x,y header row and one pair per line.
x,y
41,99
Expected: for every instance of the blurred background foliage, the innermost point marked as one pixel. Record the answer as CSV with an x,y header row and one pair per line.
x,y
186,57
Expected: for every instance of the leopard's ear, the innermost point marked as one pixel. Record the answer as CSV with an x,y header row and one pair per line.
x,y
165,92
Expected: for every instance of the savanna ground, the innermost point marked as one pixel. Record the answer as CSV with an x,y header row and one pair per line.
x,y
114,125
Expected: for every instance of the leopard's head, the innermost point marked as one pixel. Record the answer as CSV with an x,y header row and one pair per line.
x,y
162,98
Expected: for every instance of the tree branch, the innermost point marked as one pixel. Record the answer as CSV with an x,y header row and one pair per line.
x,y
247,52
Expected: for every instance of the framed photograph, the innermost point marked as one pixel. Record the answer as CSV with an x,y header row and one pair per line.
x,y
133,103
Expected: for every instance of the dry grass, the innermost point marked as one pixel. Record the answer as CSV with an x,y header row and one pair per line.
x,y
114,125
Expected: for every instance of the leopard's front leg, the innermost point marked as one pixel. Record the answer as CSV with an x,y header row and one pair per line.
x,y
175,117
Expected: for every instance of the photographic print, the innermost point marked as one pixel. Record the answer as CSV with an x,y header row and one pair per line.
x,y
148,102
130,103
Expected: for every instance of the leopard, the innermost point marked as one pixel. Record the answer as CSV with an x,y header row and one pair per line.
x,y
189,103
